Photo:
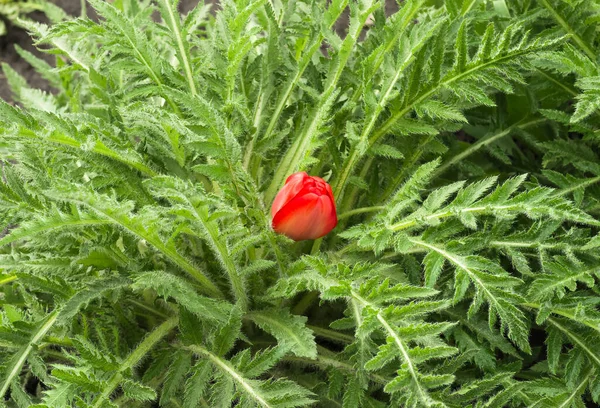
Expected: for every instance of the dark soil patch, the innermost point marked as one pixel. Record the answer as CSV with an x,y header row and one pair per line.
x,y
8,55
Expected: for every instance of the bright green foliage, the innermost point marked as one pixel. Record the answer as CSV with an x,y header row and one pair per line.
x,y
138,267
14,10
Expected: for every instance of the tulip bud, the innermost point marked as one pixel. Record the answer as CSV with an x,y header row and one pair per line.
x,y
304,208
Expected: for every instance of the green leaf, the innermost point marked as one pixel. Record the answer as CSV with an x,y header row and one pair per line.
x,y
175,375
14,365
92,292
137,392
289,330
184,293
196,384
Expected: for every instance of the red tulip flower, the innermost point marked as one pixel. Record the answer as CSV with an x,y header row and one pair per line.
x,y
304,208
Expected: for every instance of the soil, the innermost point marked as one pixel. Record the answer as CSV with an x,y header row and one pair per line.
x,y
8,55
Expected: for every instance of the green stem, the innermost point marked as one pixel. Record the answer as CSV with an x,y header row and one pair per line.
x,y
455,77
364,143
59,341
361,211
345,172
55,355
17,234
331,334
577,392
305,303
316,246
83,9
148,308
136,355
576,340
225,367
37,336
278,255
351,198
583,184
563,313
282,101
176,24
8,279
351,247
560,20
533,244
256,123
151,73
222,252
411,10
207,285
349,201
402,225
486,141
558,83
330,362
285,95
406,358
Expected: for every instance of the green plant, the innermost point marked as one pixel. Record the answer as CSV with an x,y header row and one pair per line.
x,y
13,10
138,263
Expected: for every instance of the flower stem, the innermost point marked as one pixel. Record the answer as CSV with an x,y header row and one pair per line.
x,y
362,210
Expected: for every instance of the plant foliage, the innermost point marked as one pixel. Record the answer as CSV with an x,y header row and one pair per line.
x,y
13,10
138,266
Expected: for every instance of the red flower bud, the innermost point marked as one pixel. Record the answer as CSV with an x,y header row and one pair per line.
x,y
304,208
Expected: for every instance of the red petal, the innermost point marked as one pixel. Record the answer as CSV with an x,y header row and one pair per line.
x,y
301,175
292,187
306,216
